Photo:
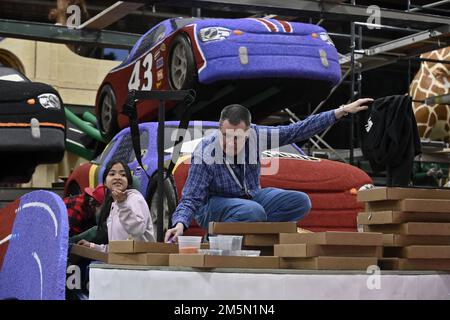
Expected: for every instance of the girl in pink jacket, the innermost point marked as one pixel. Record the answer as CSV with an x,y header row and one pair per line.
x,y
125,214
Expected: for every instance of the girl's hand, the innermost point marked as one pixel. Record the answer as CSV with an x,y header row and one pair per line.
x,y
84,243
118,195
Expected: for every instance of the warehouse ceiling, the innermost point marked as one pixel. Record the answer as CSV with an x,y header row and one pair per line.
x,y
382,81
148,15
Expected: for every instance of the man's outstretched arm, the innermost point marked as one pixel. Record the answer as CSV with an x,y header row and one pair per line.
x,y
195,192
312,125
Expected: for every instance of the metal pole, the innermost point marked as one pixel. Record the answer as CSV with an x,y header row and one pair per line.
x,y
359,80
381,26
160,190
430,5
409,60
196,12
352,87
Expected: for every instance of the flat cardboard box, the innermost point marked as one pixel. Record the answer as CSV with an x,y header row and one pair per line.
x,y
396,217
206,261
411,205
89,253
411,228
264,250
334,238
252,227
414,264
140,259
387,193
328,263
419,252
260,240
131,246
307,250
398,240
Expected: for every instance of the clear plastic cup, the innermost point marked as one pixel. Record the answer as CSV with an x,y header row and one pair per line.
x,y
247,253
214,243
188,244
230,242
210,252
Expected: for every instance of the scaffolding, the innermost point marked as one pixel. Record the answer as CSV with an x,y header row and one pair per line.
x,y
425,32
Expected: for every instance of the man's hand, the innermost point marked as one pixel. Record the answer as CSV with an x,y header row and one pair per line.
x,y
354,107
174,232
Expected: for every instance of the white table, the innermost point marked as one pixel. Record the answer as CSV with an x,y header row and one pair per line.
x,y
171,283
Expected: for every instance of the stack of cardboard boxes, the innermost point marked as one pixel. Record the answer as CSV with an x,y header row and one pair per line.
x,y
330,250
415,224
130,253
282,247
256,235
260,236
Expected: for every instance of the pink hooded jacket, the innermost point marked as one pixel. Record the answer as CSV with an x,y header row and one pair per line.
x,y
129,220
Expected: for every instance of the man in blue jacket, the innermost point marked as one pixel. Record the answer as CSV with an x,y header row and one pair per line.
x,y
223,184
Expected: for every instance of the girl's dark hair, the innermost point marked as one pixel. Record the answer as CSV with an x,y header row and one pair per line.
x,y
102,229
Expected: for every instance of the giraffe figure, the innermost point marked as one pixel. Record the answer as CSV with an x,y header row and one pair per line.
x,y
431,80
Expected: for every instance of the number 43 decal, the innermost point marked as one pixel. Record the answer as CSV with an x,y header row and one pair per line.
x,y
135,82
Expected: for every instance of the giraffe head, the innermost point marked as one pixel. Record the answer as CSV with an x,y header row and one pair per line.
x,y
432,79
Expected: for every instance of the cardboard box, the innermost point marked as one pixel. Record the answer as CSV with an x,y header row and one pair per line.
x,y
89,253
334,238
411,228
205,261
264,250
380,194
414,264
396,217
260,240
398,240
131,246
306,250
328,263
413,205
252,227
141,259
419,252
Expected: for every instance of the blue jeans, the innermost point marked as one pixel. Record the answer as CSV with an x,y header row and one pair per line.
x,y
268,204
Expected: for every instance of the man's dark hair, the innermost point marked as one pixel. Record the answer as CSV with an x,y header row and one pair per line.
x,y
235,113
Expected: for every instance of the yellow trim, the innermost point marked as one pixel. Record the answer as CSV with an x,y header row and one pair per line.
x,y
92,170
180,160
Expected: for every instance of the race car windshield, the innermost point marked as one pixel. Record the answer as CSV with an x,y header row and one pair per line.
x,y
10,74
182,22
192,137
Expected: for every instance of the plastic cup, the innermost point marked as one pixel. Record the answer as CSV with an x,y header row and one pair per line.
x,y
230,242
188,244
248,253
214,243
210,252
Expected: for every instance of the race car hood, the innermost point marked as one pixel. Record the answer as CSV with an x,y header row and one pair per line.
x,y
11,91
254,25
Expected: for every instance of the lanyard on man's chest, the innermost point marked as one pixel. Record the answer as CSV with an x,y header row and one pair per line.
x,y
242,185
